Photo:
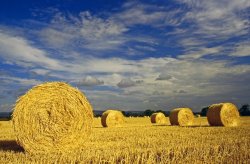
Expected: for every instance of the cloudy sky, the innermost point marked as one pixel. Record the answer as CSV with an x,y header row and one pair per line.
x,y
131,55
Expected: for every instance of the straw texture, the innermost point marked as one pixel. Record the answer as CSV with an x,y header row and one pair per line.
x,y
52,117
112,118
223,114
158,118
181,117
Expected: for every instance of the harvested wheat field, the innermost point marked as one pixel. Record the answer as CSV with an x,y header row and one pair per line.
x,y
139,141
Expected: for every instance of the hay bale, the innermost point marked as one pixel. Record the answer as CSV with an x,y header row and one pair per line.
x,y
52,117
158,118
112,118
181,117
223,114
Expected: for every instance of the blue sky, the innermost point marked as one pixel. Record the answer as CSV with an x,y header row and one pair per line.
x,y
130,55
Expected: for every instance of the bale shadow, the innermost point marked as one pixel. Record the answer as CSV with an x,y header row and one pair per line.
x,y
10,145
202,126
191,126
160,125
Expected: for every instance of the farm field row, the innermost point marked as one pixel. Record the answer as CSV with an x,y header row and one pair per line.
x,y
139,141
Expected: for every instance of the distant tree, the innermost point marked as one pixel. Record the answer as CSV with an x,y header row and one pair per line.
x,y
204,111
124,113
148,112
245,110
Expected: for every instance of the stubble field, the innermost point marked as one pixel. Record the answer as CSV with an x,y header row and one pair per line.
x,y
139,141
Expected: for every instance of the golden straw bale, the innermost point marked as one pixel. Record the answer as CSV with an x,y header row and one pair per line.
x,y
52,117
112,118
158,118
223,114
181,116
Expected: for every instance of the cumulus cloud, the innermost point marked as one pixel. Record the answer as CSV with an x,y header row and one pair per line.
x,y
180,91
125,83
105,46
164,76
90,81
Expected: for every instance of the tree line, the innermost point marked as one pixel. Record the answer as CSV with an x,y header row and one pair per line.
x,y
244,110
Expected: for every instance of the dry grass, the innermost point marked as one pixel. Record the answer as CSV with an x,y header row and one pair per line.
x,y
158,118
112,118
181,116
52,118
223,114
139,141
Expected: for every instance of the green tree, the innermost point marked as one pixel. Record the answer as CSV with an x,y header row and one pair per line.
x,y
244,110
148,112
124,113
204,111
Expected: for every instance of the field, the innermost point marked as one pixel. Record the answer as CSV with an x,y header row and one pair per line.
x,y
138,141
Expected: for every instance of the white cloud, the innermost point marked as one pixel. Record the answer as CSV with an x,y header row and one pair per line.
x,y
222,18
137,13
20,81
94,28
6,107
164,76
40,71
243,49
84,31
73,47
207,27
125,83
90,81
19,51
201,52
56,38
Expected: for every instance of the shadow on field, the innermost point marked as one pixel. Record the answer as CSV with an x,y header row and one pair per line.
x,y
10,145
200,126
160,125
192,126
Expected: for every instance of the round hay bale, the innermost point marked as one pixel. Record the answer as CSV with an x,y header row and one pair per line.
x,y
181,117
158,118
52,117
112,118
223,114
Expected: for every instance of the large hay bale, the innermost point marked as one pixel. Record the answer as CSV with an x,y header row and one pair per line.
x,y
112,118
223,114
158,118
52,117
181,116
